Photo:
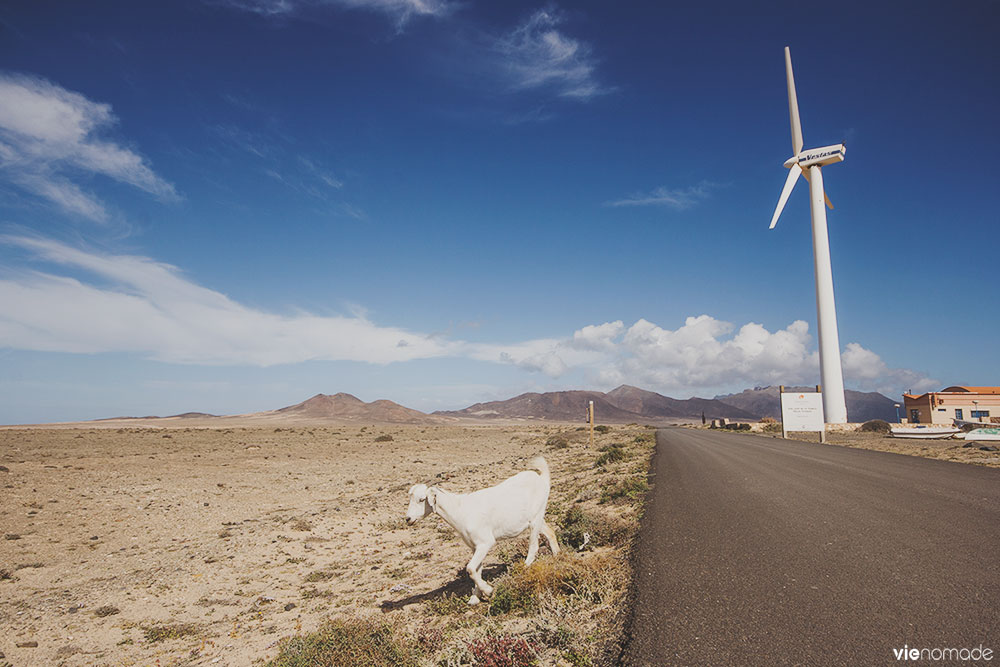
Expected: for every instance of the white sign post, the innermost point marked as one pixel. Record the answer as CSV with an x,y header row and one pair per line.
x,y
802,411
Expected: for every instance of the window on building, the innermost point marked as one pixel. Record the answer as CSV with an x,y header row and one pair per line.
x,y
914,416
958,413
976,414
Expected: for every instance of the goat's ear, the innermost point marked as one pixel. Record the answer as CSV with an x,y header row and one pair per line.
x,y
432,497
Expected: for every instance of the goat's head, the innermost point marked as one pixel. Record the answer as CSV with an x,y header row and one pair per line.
x,y
422,501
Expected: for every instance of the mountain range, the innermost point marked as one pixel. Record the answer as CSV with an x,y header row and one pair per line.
x,y
861,406
622,405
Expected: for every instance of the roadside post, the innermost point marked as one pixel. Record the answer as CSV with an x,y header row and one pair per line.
x,y
590,418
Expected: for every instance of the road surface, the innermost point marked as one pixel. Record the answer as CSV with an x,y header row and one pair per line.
x,y
761,551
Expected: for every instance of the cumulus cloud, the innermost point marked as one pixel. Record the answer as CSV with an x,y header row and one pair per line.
x,y
537,54
870,372
704,355
679,199
49,136
93,302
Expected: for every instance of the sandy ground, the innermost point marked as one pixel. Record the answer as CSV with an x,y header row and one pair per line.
x,y
196,546
945,449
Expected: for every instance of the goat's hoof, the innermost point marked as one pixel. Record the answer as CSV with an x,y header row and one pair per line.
x,y
474,600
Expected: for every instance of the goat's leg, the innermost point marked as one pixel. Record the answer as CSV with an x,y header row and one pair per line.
x,y
532,545
473,568
474,597
550,537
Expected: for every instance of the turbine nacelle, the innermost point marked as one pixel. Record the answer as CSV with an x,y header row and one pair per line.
x,y
817,157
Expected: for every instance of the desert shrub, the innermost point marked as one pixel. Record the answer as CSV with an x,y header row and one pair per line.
x,y
446,605
106,610
593,578
771,426
768,420
5,574
632,489
576,524
384,438
312,593
358,641
602,428
158,633
876,426
741,426
611,454
301,525
557,442
503,651
511,597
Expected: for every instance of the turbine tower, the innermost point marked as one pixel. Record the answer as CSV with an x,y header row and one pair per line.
x,y
808,164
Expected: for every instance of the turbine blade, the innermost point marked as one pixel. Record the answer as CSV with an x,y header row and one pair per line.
x,y
793,106
829,204
793,175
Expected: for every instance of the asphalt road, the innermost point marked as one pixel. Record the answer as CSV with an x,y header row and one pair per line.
x,y
761,551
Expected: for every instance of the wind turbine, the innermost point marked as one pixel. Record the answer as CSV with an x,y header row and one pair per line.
x,y
808,164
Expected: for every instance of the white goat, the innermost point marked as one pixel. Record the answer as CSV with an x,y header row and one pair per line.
x,y
485,516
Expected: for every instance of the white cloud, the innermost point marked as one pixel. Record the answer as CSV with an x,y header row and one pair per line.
x,y
679,199
400,11
597,336
149,308
49,135
705,355
137,305
869,372
537,54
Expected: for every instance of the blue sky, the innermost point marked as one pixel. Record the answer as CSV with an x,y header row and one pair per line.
x,y
231,205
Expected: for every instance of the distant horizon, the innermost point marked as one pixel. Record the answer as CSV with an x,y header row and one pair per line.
x,y
227,204
201,413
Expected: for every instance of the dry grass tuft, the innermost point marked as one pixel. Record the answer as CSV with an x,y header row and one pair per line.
x,y
356,641
594,578
159,633
583,529
631,489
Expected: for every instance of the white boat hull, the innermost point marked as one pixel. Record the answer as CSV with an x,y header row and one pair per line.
x,y
984,435
925,433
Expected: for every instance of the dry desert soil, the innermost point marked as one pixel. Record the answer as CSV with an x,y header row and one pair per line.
x,y
212,546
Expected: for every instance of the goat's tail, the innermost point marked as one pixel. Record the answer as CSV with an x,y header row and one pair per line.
x,y
539,464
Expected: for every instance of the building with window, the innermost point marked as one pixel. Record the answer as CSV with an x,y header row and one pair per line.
x,y
970,404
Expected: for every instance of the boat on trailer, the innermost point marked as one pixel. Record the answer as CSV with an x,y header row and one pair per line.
x,y
924,432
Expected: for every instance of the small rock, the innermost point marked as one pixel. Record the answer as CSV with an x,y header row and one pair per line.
x,y
12,536
27,645
4,469
94,537
988,448
290,606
